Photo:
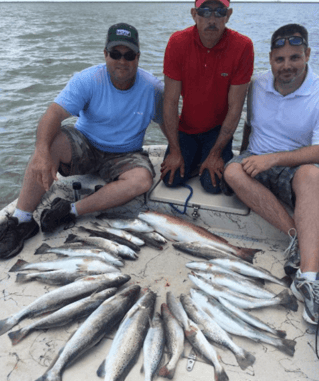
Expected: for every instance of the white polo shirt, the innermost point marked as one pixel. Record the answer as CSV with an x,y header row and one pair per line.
x,y
282,123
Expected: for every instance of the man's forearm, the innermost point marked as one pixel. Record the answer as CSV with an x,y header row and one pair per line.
x,y
304,155
49,126
171,121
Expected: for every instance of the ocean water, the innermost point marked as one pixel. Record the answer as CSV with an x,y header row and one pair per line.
x,y
44,44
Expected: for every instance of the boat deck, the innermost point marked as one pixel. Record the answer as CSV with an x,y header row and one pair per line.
x,y
162,271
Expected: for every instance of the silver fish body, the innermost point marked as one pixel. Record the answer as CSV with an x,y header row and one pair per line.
x,y
214,332
81,250
174,337
176,308
121,233
250,319
234,325
247,269
64,295
68,264
128,339
153,347
105,244
130,224
93,330
65,315
242,300
195,336
211,268
238,284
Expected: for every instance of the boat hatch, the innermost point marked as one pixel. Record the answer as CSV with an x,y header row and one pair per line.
x,y
199,200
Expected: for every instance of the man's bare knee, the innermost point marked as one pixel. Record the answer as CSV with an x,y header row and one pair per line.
x,y
307,176
232,173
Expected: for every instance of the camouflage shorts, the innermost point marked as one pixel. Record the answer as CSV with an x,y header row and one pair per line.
x,y
86,159
277,179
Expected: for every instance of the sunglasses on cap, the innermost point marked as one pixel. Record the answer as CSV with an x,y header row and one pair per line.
x,y
293,41
128,56
207,12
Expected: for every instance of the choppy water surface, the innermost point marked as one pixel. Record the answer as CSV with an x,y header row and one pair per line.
x,y
44,44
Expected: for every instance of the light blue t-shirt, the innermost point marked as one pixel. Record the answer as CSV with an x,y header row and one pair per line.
x,y
113,120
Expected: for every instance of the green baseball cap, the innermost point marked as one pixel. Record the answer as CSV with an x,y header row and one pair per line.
x,y
122,34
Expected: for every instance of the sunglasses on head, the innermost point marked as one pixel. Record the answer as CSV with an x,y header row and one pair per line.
x,y
293,41
207,12
128,56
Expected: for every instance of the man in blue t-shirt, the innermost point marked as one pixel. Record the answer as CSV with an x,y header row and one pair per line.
x,y
114,104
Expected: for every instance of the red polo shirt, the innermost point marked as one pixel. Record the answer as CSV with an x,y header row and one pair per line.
x,y
207,74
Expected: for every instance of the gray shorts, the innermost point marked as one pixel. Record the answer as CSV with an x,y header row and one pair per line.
x,y
86,159
277,179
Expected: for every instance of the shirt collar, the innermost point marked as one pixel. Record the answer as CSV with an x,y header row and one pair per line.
x,y
222,43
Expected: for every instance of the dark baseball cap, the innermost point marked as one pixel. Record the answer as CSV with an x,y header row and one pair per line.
x,y
122,34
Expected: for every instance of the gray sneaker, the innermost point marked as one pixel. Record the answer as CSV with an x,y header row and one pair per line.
x,y
292,254
308,292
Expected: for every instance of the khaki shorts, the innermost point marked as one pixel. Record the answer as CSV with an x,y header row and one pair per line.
x,y
86,159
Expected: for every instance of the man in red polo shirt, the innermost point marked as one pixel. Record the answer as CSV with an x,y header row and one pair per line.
x,y
210,66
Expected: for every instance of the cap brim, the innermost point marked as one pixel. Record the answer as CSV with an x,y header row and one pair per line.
x,y
133,47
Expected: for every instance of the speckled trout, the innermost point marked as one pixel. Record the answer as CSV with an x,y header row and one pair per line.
x,y
64,295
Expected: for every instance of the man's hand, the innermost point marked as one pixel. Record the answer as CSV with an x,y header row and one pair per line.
x,y
44,169
215,165
172,162
258,163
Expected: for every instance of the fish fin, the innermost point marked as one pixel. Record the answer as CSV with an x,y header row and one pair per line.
x,y
245,361
43,249
287,346
71,238
246,254
142,369
281,334
288,300
5,325
20,263
166,373
221,376
101,369
21,278
17,336
286,281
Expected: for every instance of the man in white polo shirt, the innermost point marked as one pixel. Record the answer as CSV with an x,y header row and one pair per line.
x,y
280,155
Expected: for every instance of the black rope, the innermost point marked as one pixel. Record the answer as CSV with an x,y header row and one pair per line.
x,y
186,202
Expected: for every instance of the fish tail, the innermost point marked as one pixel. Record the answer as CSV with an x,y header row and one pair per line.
x,y
245,360
281,334
71,238
6,325
18,266
17,336
221,375
42,249
285,281
21,278
167,373
246,254
46,377
287,346
288,300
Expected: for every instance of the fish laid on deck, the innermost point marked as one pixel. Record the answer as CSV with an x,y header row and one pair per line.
x,y
128,339
68,314
64,295
153,347
214,332
93,330
177,229
79,249
236,326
